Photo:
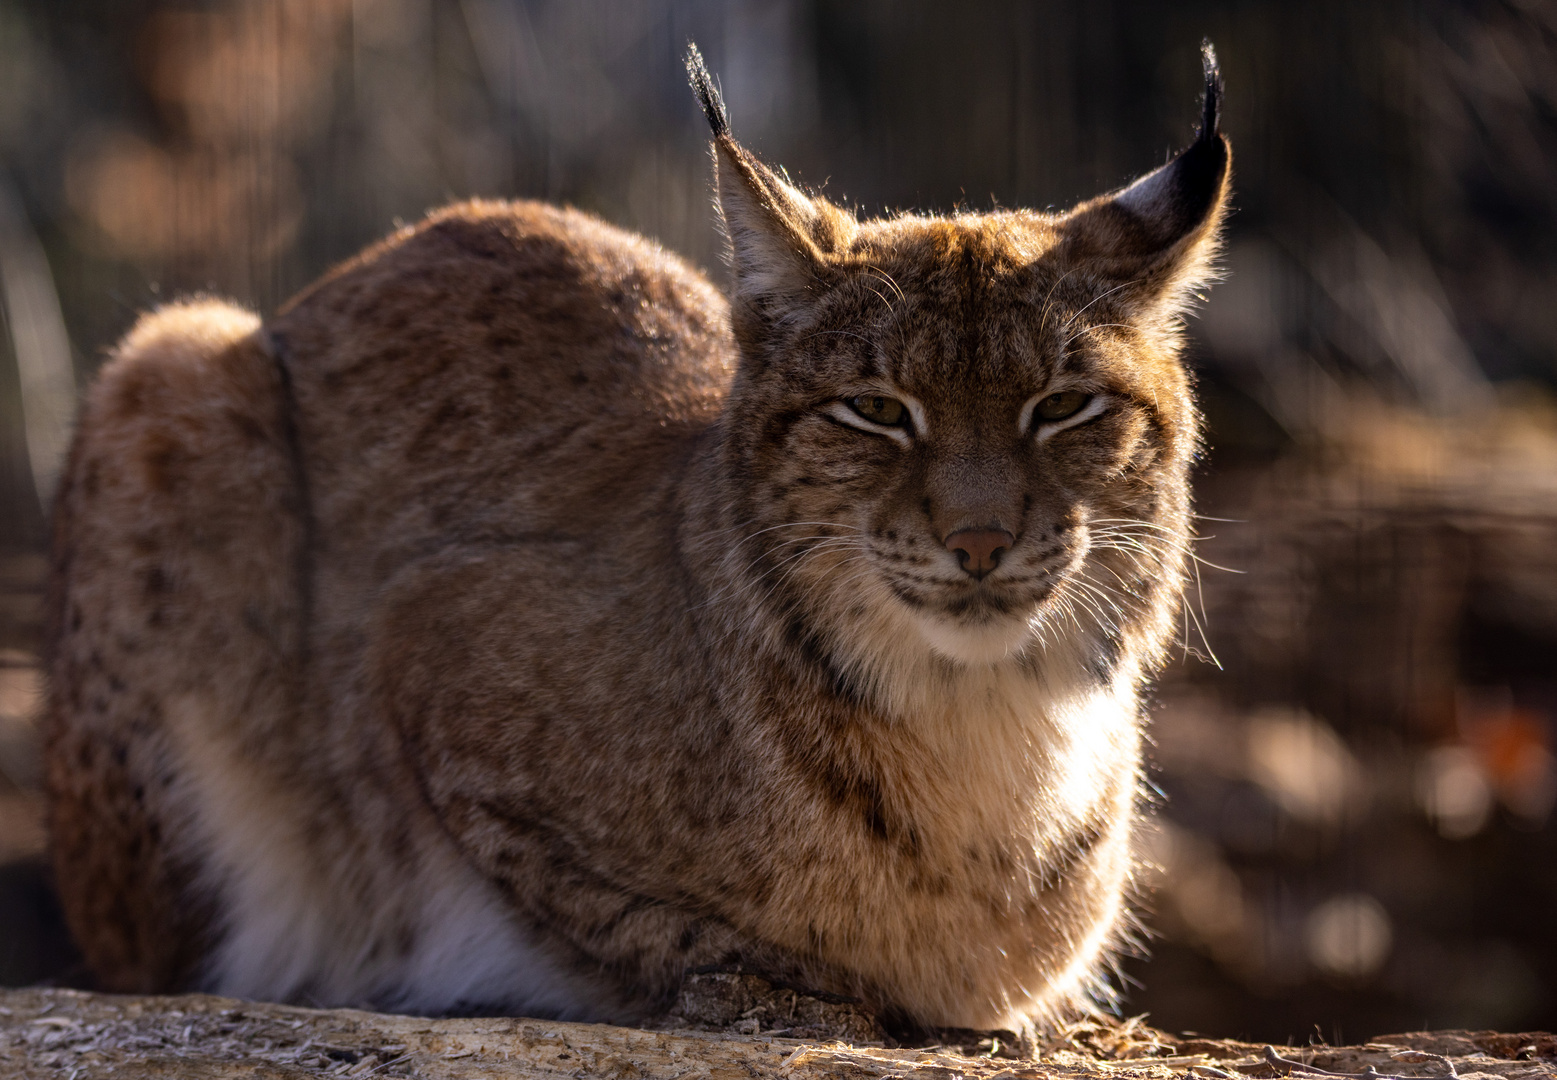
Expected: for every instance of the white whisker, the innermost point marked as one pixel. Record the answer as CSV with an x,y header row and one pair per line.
x,y
1095,299
891,282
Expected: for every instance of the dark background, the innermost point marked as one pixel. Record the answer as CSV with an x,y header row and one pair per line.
x,y
1355,829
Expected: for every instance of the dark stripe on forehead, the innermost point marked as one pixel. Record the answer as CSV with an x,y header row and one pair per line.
x,y
902,339
876,364
973,305
1025,349
1070,362
852,340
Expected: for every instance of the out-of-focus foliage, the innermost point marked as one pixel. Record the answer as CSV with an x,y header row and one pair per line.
x,y
1358,830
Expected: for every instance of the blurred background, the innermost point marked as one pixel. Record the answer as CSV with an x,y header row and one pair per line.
x,y
1354,746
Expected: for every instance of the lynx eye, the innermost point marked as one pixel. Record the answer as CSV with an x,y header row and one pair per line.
x,y
879,409
1062,406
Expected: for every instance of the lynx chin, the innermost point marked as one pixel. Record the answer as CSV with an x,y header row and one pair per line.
x,y
515,622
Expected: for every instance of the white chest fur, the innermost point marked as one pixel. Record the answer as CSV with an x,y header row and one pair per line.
x,y
1029,747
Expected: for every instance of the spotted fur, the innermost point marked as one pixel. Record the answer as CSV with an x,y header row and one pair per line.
x,y
511,622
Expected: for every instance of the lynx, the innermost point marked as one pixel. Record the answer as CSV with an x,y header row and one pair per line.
x,y
514,623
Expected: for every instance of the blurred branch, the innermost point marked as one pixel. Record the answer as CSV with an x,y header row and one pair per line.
x,y
39,342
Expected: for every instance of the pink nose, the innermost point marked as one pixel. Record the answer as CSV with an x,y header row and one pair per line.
x,y
979,550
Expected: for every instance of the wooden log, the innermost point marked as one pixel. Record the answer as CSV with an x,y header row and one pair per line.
x,y
77,1036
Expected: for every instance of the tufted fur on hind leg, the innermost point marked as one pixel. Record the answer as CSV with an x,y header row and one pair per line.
x,y
176,560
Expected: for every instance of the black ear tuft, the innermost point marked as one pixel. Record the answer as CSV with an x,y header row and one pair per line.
x,y
1176,199
707,93
1161,232
1211,118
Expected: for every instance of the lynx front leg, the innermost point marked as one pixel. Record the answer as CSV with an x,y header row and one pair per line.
x,y
178,540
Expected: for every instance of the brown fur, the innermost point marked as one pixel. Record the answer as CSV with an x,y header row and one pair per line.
x,y
179,470
509,567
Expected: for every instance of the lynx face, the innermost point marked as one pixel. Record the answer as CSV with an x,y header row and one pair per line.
x,y
979,422
949,442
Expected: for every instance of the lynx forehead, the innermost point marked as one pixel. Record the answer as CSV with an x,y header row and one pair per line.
x,y
514,622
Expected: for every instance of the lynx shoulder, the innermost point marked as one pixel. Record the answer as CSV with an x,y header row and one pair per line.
x,y
514,623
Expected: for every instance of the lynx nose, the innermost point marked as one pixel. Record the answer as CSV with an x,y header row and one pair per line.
x,y
979,550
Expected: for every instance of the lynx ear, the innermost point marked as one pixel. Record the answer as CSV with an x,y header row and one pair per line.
x,y
1158,236
781,240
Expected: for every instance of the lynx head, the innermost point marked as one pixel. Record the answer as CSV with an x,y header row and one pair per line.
x,y
973,425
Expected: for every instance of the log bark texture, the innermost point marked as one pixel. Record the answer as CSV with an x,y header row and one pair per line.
x,y
77,1036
